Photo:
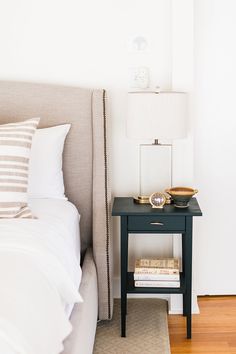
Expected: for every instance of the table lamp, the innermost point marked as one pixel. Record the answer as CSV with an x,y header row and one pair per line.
x,y
157,116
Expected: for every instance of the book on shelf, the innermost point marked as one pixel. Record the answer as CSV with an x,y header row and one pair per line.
x,y
148,276
157,266
172,263
156,271
156,284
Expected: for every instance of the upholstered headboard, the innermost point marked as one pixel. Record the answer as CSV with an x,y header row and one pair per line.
x,y
84,160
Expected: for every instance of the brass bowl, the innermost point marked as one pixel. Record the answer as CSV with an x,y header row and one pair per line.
x,y
181,195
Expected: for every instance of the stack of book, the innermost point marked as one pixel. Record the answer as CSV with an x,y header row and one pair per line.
x,y
157,273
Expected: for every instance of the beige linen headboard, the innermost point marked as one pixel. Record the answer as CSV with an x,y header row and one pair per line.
x,y
84,160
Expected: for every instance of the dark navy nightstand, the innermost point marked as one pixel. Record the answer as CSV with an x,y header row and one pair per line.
x,y
138,219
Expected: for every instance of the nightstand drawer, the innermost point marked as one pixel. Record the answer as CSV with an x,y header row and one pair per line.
x,y
156,223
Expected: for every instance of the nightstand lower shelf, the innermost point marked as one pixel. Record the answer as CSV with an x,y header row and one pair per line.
x,y
131,289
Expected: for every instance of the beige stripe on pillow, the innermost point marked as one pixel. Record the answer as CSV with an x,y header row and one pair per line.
x,y
15,145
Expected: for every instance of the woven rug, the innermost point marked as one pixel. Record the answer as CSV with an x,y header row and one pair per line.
x,y
146,329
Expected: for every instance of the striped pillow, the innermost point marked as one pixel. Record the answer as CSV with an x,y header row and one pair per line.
x,y
15,145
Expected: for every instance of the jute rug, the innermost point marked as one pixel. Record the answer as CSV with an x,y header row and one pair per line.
x,y
146,329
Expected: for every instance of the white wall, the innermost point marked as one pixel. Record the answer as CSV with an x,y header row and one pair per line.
x,y
89,43
215,144
83,42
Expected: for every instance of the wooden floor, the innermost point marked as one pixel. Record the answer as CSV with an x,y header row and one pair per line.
x,y
214,329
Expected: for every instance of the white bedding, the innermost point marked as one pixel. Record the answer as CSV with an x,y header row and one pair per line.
x,y
40,275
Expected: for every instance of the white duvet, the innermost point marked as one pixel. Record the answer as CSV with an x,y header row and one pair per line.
x,y
39,278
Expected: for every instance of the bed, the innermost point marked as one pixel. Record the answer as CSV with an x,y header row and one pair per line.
x,y
85,169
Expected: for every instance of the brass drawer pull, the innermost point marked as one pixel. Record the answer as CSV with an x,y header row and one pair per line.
x,y
156,223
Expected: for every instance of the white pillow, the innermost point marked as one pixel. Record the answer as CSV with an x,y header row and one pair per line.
x,y
45,170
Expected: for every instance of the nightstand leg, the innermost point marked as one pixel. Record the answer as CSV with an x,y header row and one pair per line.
x,y
183,267
188,274
124,265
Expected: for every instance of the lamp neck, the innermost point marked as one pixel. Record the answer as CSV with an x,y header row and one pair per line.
x,y
156,142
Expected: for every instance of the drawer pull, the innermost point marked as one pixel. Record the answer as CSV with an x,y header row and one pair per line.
x,y
156,223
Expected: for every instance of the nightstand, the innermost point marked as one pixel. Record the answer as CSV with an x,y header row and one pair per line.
x,y
139,219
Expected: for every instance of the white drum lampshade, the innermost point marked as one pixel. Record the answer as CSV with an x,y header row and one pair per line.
x,y
153,115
